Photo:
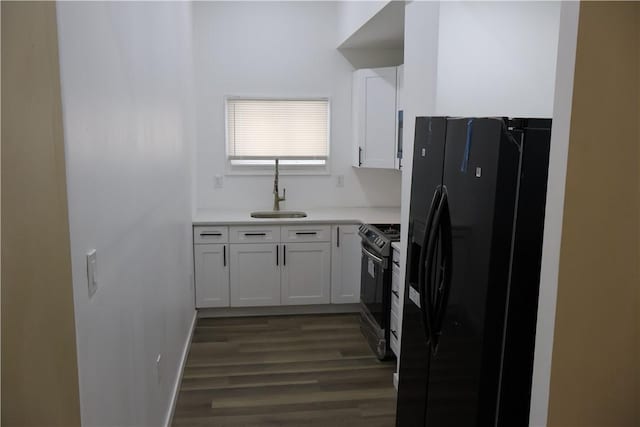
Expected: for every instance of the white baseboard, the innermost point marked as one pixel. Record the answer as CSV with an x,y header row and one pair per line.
x,y
278,310
183,362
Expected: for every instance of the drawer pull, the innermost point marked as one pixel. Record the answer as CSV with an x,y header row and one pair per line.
x,y
396,294
396,263
224,255
255,234
306,233
395,334
284,255
277,254
210,234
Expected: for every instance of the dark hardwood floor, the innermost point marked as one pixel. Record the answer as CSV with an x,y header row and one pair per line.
x,y
312,370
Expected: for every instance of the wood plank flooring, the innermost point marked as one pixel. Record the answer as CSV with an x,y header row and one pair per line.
x,y
313,370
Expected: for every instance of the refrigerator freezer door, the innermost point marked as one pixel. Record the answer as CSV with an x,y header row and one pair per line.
x,y
428,156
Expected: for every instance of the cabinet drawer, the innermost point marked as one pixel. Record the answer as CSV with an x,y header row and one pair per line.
x,y
207,234
395,303
254,234
395,277
306,233
394,334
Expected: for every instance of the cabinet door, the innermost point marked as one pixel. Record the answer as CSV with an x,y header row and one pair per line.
x,y
306,273
212,275
399,116
345,264
255,274
375,100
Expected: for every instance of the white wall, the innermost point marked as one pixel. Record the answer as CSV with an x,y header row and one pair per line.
x,y
545,327
483,59
419,95
125,71
497,58
277,49
354,14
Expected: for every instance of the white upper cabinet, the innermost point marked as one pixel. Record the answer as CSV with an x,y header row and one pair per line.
x,y
375,118
399,116
345,264
400,87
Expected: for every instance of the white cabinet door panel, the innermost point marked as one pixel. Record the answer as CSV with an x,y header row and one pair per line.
x,y
375,117
212,276
306,273
345,264
255,274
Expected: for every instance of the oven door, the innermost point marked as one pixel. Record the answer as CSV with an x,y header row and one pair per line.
x,y
372,285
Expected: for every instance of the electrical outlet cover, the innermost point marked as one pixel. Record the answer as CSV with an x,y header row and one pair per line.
x,y
158,366
92,272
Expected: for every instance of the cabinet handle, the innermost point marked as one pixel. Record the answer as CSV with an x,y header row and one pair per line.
x,y
396,294
284,255
306,233
359,156
277,254
395,334
255,234
338,237
224,255
210,234
396,263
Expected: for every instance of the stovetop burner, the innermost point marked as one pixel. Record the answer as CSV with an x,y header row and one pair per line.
x,y
390,231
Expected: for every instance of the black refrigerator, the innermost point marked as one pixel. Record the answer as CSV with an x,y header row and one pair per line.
x,y
473,270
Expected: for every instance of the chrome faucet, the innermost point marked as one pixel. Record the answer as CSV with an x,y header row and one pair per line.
x,y
276,194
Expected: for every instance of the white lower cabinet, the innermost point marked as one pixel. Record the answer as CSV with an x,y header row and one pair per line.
x,y
255,274
396,304
212,275
345,264
251,266
306,271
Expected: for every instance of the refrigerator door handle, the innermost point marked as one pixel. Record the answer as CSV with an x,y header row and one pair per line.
x,y
432,247
425,308
442,293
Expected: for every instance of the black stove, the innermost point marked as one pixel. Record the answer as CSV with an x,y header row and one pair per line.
x,y
375,286
380,236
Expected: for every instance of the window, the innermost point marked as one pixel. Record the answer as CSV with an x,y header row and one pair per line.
x,y
296,131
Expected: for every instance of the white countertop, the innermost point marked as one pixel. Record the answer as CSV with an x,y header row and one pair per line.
x,y
324,215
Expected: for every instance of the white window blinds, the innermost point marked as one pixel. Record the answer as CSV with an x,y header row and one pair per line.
x,y
277,128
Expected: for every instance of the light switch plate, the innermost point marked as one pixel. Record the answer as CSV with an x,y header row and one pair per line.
x,y
92,272
218,181
340,181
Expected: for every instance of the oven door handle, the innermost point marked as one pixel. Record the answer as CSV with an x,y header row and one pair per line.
x,y
372,256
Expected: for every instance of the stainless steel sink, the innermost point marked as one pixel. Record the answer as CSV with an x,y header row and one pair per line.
x,y
278,214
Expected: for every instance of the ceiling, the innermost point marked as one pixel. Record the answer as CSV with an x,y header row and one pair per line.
x,y
385,30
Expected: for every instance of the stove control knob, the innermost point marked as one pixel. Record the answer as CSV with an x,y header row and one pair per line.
x,y
380,242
